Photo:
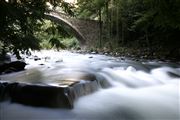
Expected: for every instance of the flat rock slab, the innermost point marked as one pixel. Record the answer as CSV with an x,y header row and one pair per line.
x,y
59,95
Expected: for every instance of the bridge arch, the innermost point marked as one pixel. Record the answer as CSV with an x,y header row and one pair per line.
x,y
55,17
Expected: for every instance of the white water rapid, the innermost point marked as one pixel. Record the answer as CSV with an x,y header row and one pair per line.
x,y
129,90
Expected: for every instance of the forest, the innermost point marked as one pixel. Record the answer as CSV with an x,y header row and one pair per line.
x,y
89,59
142,27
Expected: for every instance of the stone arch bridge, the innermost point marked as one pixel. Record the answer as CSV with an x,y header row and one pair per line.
x,y
86,31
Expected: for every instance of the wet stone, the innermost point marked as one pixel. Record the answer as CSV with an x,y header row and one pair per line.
x,y
12,67
36,58
61,94
91,57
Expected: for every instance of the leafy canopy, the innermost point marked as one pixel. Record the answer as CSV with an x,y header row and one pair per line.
x,y
21,19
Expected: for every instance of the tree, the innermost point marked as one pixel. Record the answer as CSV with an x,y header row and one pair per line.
x,y
160,20
145,23
20,20
92,9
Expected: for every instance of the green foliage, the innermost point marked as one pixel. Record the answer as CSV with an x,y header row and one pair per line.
x,y
64,6
21,21
89,8
71,43
138,23
165,13
142,23
159,21
55,42
55,36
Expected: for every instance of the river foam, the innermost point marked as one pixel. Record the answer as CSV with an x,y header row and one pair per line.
x,y
130,90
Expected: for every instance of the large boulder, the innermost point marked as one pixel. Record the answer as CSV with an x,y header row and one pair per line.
x,y
12,67
61,95
40,95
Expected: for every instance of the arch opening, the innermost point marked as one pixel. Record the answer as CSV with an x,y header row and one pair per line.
x,y
52,16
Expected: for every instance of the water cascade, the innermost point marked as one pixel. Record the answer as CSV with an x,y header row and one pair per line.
x,y
120,88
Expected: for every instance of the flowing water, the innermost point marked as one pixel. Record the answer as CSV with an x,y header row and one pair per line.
x,y
146,90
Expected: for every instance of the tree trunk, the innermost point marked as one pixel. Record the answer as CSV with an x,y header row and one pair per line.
x,y
100,28
117,26
147,38
122,33
107,20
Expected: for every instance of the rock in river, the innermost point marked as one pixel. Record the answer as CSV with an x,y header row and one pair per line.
x,y
12,67
60,95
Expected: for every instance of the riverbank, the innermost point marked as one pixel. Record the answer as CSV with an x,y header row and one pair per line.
x,y
136,53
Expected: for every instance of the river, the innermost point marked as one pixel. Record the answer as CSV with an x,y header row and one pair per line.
x,y
144,90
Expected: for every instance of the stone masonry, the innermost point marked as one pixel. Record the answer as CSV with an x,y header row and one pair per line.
x,y
86,31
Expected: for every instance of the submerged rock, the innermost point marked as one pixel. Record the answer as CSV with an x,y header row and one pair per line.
x,y
3,92
36,58
12,67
